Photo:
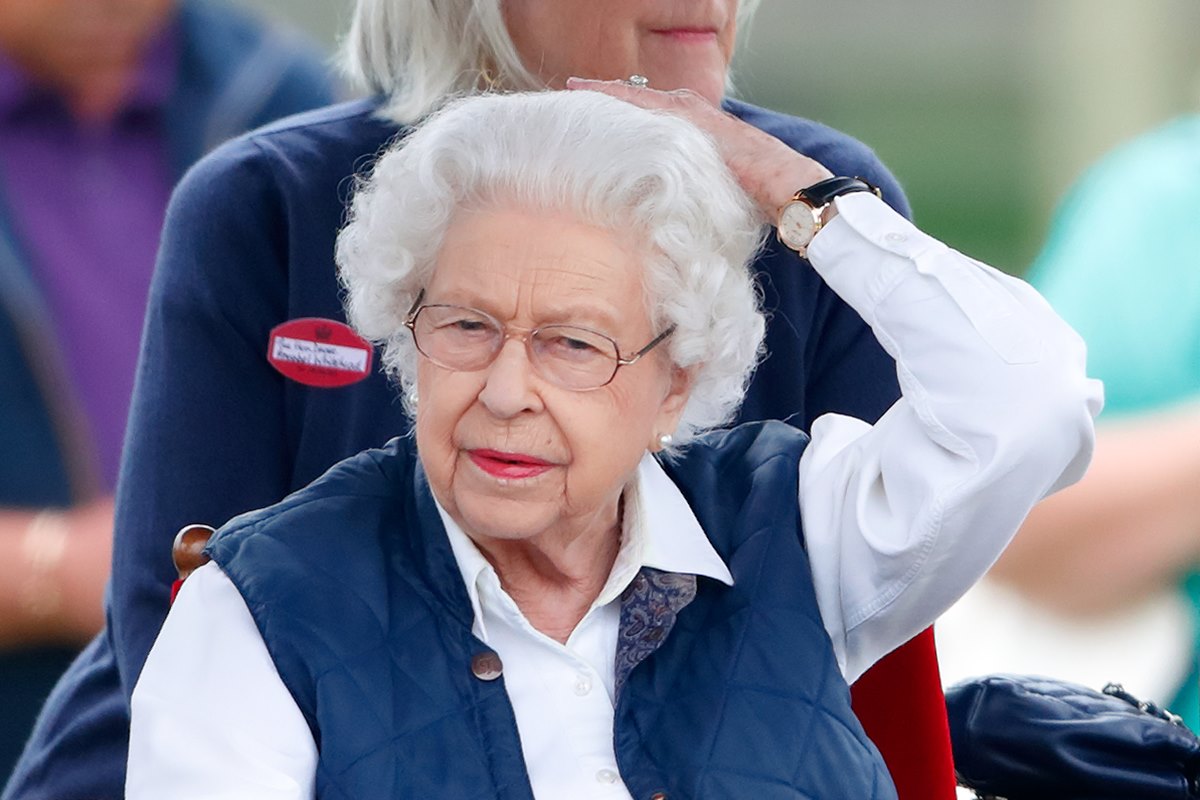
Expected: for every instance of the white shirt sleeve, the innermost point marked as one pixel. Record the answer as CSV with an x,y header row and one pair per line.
x,y
903,516
211,717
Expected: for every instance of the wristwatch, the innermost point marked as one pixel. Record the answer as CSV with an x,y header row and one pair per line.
x,y
801,217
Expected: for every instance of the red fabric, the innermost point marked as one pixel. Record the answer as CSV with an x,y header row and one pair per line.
x,y
901,705
175,589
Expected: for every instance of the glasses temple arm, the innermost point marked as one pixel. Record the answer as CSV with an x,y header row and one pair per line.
x,y
625,362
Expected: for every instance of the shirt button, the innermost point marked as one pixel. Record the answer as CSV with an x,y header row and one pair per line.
x,y
486,666
583,685
896,237
607,776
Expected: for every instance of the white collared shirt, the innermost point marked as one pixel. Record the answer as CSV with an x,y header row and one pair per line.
x,y
900,518
563,694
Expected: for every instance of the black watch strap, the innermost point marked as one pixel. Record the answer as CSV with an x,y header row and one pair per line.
x,y
822,193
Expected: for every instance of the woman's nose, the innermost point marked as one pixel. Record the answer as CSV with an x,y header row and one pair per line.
x,y
510,386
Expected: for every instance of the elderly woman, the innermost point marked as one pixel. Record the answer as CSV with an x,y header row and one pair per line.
x,y
559,586
216,430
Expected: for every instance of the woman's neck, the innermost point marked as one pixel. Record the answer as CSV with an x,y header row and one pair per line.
x,y
555,579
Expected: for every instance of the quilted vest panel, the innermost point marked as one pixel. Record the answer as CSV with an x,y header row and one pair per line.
x,y
354,587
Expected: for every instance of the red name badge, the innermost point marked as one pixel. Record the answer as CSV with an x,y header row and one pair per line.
x,y
319,352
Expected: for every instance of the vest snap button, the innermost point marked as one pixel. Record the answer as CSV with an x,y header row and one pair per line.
x,y
659,796
486,666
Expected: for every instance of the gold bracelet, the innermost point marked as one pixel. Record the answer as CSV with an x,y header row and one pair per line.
x,y
43,546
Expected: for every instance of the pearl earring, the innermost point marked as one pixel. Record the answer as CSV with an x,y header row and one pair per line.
x,y
664,440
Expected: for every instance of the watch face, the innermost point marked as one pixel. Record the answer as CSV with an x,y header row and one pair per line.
x,y
797,225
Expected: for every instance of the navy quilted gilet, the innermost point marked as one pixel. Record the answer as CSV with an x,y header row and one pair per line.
x,y
355,590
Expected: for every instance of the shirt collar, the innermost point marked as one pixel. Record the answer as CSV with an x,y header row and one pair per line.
x,y
659,530
14,84
157,75
673,540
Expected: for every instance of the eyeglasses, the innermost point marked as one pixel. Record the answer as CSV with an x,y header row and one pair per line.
x,y
568,356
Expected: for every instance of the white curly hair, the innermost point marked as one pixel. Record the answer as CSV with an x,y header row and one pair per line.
x,y
419,53
605,162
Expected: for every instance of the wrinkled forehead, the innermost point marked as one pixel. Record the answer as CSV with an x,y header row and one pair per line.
x,y
518,264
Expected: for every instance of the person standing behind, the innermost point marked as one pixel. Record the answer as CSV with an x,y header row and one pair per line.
x,y
103,105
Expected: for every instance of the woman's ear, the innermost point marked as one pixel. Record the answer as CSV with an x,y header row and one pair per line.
x,y
678,392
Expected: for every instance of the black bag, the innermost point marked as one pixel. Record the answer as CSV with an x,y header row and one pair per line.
x,y
1028,738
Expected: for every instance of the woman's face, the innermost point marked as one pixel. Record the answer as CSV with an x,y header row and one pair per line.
x,y
677,44
509,455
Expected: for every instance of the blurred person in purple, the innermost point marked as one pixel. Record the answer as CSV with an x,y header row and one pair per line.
x,y
103,105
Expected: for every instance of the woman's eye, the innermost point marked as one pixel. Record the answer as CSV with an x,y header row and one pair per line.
x,y
463,325
575,344
571,347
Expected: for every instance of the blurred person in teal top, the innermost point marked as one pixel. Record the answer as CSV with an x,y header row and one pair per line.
x,y
1122,266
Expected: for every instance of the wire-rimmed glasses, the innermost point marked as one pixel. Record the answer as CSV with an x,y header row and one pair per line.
x,y
569,356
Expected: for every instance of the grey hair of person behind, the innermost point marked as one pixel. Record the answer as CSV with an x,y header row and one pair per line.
x,y
419,53
650,177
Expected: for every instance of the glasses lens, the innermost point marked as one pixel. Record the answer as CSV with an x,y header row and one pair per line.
x,y
574,358
457,338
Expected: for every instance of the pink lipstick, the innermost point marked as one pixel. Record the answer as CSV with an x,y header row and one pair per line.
x,y
511,466
688,35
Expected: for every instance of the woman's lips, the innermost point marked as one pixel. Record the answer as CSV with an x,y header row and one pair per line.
x,y
688,35
511,466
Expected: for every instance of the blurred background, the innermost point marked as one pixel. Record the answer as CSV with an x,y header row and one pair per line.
x,y
985,111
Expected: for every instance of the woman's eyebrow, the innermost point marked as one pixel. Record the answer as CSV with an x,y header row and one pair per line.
x,y
585,314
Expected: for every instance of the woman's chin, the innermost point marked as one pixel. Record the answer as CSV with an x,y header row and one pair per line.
x,y
505,519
